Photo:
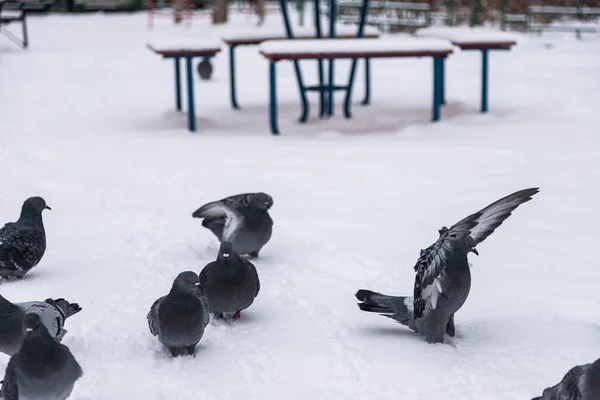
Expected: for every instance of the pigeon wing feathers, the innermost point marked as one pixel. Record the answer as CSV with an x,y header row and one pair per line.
x,y
10,390
255,273
153,317
219,208
434,259
496,213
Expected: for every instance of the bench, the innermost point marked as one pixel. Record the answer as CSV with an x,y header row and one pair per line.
x,y
405,15
473,39
579,12
245,38
13,11
330,49
188,50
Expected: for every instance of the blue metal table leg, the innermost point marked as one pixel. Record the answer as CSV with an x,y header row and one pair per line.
x,y
323,99
234,102
303,99
190,89
330,84
177,84
367,99
348,98
437,92
443,81
484,80
273,99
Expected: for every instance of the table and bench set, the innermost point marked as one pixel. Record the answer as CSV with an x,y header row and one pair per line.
x,y
352,43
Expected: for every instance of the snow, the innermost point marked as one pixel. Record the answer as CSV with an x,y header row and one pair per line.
x,y
334,46
463,34
185,44
255,33
88,122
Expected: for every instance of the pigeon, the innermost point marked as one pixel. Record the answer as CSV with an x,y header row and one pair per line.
x,y
205,69
443,277
580,383
23,243
43,369
242,220
52,313
180,317
231,283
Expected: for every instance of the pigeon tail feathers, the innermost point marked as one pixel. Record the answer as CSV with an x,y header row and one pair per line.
x,y
397,308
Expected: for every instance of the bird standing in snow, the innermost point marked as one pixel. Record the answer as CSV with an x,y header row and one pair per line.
x,y
179,318
580,383
23,243
43,369
53,314
231,283
443,277
242,220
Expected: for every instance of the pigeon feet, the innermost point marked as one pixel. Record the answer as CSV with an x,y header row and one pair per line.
x,y
237,315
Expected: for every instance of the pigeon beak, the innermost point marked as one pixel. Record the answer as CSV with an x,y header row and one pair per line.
x,y
225,255
197,284
28,330
47,208
473,250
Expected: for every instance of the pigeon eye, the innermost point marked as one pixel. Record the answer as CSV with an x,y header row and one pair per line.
x,y
187,280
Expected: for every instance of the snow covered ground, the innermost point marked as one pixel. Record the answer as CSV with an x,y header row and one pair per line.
x,y
88,122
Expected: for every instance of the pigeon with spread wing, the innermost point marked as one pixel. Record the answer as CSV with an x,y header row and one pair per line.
x,y
443,277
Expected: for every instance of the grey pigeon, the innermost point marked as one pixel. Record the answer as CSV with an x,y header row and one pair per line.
x,y
443,277
205,69
52,313
179,318
23,243
580,383
242,220
43,369
231,283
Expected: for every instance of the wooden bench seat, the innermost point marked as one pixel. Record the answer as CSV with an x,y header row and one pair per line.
x,y
188,50
330,49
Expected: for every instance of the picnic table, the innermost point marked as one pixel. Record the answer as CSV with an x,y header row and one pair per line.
x,y
14,11
473,39
253,38
186,49
331,49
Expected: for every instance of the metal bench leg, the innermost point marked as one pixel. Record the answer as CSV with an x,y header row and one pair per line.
x,y
190,89
443,81
234,103
367,99
330,84
304,101
323,101
484,80
25,37
177,83
273,98
437,92
347,100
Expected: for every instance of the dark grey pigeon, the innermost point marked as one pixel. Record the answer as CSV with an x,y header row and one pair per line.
x,y
205,69
179,318
580,383
242,220
52,313
230,283
23,243
443,277
43,369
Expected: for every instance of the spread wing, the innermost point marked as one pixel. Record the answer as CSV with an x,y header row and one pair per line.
x,y
496,213
223,216
433,260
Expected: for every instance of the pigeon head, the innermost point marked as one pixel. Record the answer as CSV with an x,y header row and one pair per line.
x,y
468,245
225,252
261,201
33,325
187,282
35,205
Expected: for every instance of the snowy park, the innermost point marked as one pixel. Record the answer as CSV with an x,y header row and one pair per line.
x,y
89,123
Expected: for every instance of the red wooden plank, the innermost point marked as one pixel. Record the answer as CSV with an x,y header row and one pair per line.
x,y
256,41
356,54
183,53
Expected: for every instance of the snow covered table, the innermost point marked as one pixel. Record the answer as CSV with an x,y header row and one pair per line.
x,y
473,39
319,49
249,38
187,49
